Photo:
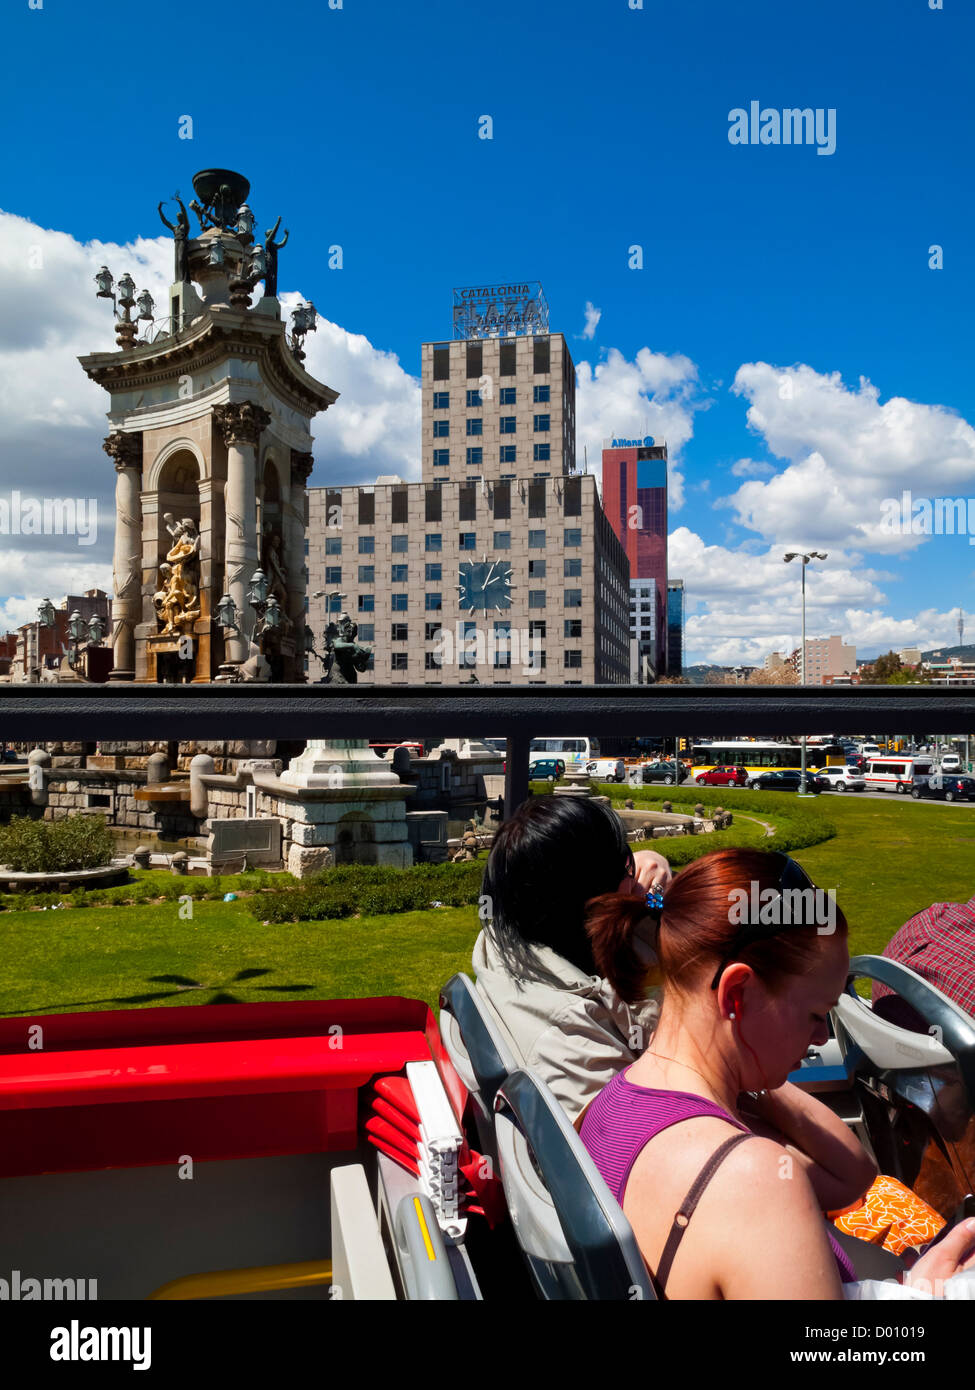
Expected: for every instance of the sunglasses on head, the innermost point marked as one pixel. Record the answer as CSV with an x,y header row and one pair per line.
x,y
792,878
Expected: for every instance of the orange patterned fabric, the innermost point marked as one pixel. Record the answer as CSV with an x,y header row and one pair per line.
x,y
891,1215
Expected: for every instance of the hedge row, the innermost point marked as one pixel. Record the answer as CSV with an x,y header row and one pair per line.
x,y
147,887
371,890
30,846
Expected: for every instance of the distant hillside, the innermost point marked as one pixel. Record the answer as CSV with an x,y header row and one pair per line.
x,y
697,675
967,653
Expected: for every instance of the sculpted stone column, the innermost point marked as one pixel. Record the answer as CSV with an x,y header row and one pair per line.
x,y
294,541
241,425
126,450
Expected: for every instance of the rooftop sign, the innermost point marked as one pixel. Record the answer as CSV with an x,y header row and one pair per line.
x,y
645,443
503,310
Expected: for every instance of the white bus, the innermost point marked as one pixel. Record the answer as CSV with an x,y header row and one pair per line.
x,y
574,752
895,773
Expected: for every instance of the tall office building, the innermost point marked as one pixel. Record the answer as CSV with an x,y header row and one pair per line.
x,y
500,564
635,500
675,627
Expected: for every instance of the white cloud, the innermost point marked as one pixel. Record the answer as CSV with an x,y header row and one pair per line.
x,y
751,468
593,315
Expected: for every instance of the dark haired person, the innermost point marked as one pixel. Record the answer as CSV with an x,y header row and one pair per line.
x,y
718,1210
533,960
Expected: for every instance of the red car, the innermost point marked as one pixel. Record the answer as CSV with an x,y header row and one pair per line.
x,y
723,777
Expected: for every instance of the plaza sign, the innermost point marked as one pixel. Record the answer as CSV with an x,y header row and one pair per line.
x,y
500,311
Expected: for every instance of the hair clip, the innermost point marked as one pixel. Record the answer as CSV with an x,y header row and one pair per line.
x,y
655,900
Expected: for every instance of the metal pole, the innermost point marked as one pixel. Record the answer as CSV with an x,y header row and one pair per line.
x,y
802,776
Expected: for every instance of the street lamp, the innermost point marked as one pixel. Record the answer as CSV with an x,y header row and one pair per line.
x,y
798,555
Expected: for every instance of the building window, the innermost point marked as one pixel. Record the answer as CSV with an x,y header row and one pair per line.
x,y
367,574
367,508
441,400
507,395
333,509
541,355
431,661
367,631
399,505
399,632
542,453
333,545
441,458
537,659
473,399
536,540
475,360
503,628
508,453
502,661
306,547
536,498
434,574
502,540
573,536
399,661
573,598
502,501
536,630
399,574
434,541
367,603
399,545
572,659
475,425
536,598
441,429
334,604
434,603
508,424
542,423
572,567
536,569
573,627
441,362
467,502
508,358
333,574
468,540
573,497
433,504
475,456
400,603
367,545
541,395
431,632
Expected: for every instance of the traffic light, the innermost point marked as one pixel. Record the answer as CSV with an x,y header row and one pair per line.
x,y
682,745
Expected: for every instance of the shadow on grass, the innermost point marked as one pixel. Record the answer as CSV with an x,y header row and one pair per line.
x,y
220,994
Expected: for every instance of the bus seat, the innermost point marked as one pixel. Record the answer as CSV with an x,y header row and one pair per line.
x,y
479,1054
576,1241
360,1269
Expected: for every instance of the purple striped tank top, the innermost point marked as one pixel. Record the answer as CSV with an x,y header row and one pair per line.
x,y
623,1119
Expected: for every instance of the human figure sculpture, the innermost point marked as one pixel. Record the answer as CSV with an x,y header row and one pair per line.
x,y
272,563
176,601
181,232
271,249
344,657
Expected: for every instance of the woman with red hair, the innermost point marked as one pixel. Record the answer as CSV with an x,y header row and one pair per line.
x,y
752,958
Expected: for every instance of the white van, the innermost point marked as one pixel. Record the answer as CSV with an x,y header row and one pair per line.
x,y
895,773
574,752
950,762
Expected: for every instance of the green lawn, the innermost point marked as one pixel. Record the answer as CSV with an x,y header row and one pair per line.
x,y
887,860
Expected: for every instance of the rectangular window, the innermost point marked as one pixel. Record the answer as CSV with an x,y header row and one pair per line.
x,y
475,360
467,502
536,630
441,429
473,399
333,509
542,356
572,567
399,504
572,659
367,603
502,661
468,540
367,545
441,361
508,424
434,504
536,569
400,603
573,627
508,453
508,395
542,453
536,540
541,395
434,603
475,425
502,540
306,547
434,574
441,400
508,358
367,631
431,632
399,574
399,661
542,423
475,456
573,536
399,632
333,574
502,501
431,661
367,574
334,604
573,497
367,508
503,628
538,659
399,545
434,541
536,598
536,497
333,545
441,458
573,598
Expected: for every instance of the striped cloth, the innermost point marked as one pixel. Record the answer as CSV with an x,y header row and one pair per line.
x,y
939,944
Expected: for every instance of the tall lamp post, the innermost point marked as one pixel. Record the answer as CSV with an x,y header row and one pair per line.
x,y
798,555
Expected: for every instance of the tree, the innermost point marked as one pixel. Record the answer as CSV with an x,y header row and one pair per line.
x,y
881,670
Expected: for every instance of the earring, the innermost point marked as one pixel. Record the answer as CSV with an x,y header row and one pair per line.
x,y
732,1014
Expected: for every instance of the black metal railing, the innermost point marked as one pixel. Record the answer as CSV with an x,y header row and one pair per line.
x,y
518,713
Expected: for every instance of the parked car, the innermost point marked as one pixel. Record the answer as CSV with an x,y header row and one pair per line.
x,y
607,769
855,760
546,769
842,779
786,780
724,777
668,772
941,788
950,762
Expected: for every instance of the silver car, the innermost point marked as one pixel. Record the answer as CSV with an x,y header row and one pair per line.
x,y
843,779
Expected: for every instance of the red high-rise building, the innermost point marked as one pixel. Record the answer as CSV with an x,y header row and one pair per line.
x,y
635,501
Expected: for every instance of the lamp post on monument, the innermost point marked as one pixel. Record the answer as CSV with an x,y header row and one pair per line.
x,y
798,555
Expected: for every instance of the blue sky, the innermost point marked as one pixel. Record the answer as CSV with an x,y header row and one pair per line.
x,y
774,279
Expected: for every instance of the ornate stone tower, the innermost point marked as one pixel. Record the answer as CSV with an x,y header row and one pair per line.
x,y
210,435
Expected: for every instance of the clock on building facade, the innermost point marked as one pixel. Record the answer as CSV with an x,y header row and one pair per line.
x,y
485,584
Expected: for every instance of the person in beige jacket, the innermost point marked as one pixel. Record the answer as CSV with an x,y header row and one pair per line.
x,y
533,960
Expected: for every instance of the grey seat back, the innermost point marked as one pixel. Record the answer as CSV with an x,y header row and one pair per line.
x,y
479,1054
